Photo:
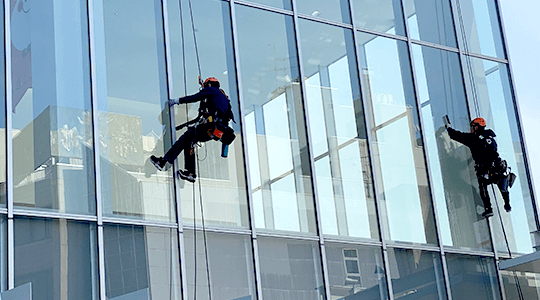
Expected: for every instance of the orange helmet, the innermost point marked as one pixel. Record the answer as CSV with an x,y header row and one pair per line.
x,y
210,80
478,122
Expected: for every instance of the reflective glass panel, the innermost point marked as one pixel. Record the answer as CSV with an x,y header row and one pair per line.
x,y
479,19
396,144
132,102
335,10
141,262
3,124
493,96
518,284
416,274
431,21
277,148
3,253
337,126
472,277
58,258
284,4
290,269
382,15
222,179
454,183
230,263
356,272
53,165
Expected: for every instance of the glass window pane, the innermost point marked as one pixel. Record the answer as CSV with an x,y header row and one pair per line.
x,y
141,262
337,126
132,103
453,181
472,277
290,269
230,263
335,10
53,165
275,120
495,103
284,4
397,147
524,283
223,180
431,21
382,15
356,272
58,257
3,253
481,23
416,274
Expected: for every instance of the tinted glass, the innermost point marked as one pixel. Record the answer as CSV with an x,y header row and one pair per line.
x,y
141,262
431,21
383,15
416,272
397,147
455,187
230,264
3,253
223,180
276,142
284,4
290,269
3,120
480,22
132,103
472,277
356,272
58,257
337,126
53,165
518,284
495,104
335,10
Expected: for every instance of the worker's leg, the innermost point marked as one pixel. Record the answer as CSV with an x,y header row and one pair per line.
x,y
503,187
200,134
183,143
484,195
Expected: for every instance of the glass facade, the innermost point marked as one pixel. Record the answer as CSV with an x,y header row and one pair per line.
x,y
342,182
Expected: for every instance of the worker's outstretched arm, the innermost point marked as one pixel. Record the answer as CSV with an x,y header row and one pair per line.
x,y
188,99
458,136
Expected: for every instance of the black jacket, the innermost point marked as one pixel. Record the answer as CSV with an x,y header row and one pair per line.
x,y
481,156
213,101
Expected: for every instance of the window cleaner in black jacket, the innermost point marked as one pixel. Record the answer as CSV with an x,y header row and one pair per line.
x,y
212,123
490,168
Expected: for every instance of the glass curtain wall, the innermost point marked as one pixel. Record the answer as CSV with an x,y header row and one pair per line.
x,y
492,99
53,165
397,146
431,21
338,133
383,16
132,102
274,116
222,179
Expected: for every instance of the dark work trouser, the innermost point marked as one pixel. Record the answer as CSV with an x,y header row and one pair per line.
x,y
502,183
186,142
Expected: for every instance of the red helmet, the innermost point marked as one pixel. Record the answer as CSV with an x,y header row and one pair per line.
x,y
210,80
478,122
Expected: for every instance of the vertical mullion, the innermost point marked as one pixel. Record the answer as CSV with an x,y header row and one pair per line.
x,y
9,144
172,123
426,158
95,140
371,161
322,250
247,173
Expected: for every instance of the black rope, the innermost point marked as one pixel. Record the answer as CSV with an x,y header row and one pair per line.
x,y
516,278
194,38
203,228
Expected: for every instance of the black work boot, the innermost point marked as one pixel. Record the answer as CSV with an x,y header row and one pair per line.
x,y
187,175
158,162
488,212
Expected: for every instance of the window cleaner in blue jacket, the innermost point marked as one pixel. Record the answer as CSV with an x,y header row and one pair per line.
x,y
490,168
212,123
